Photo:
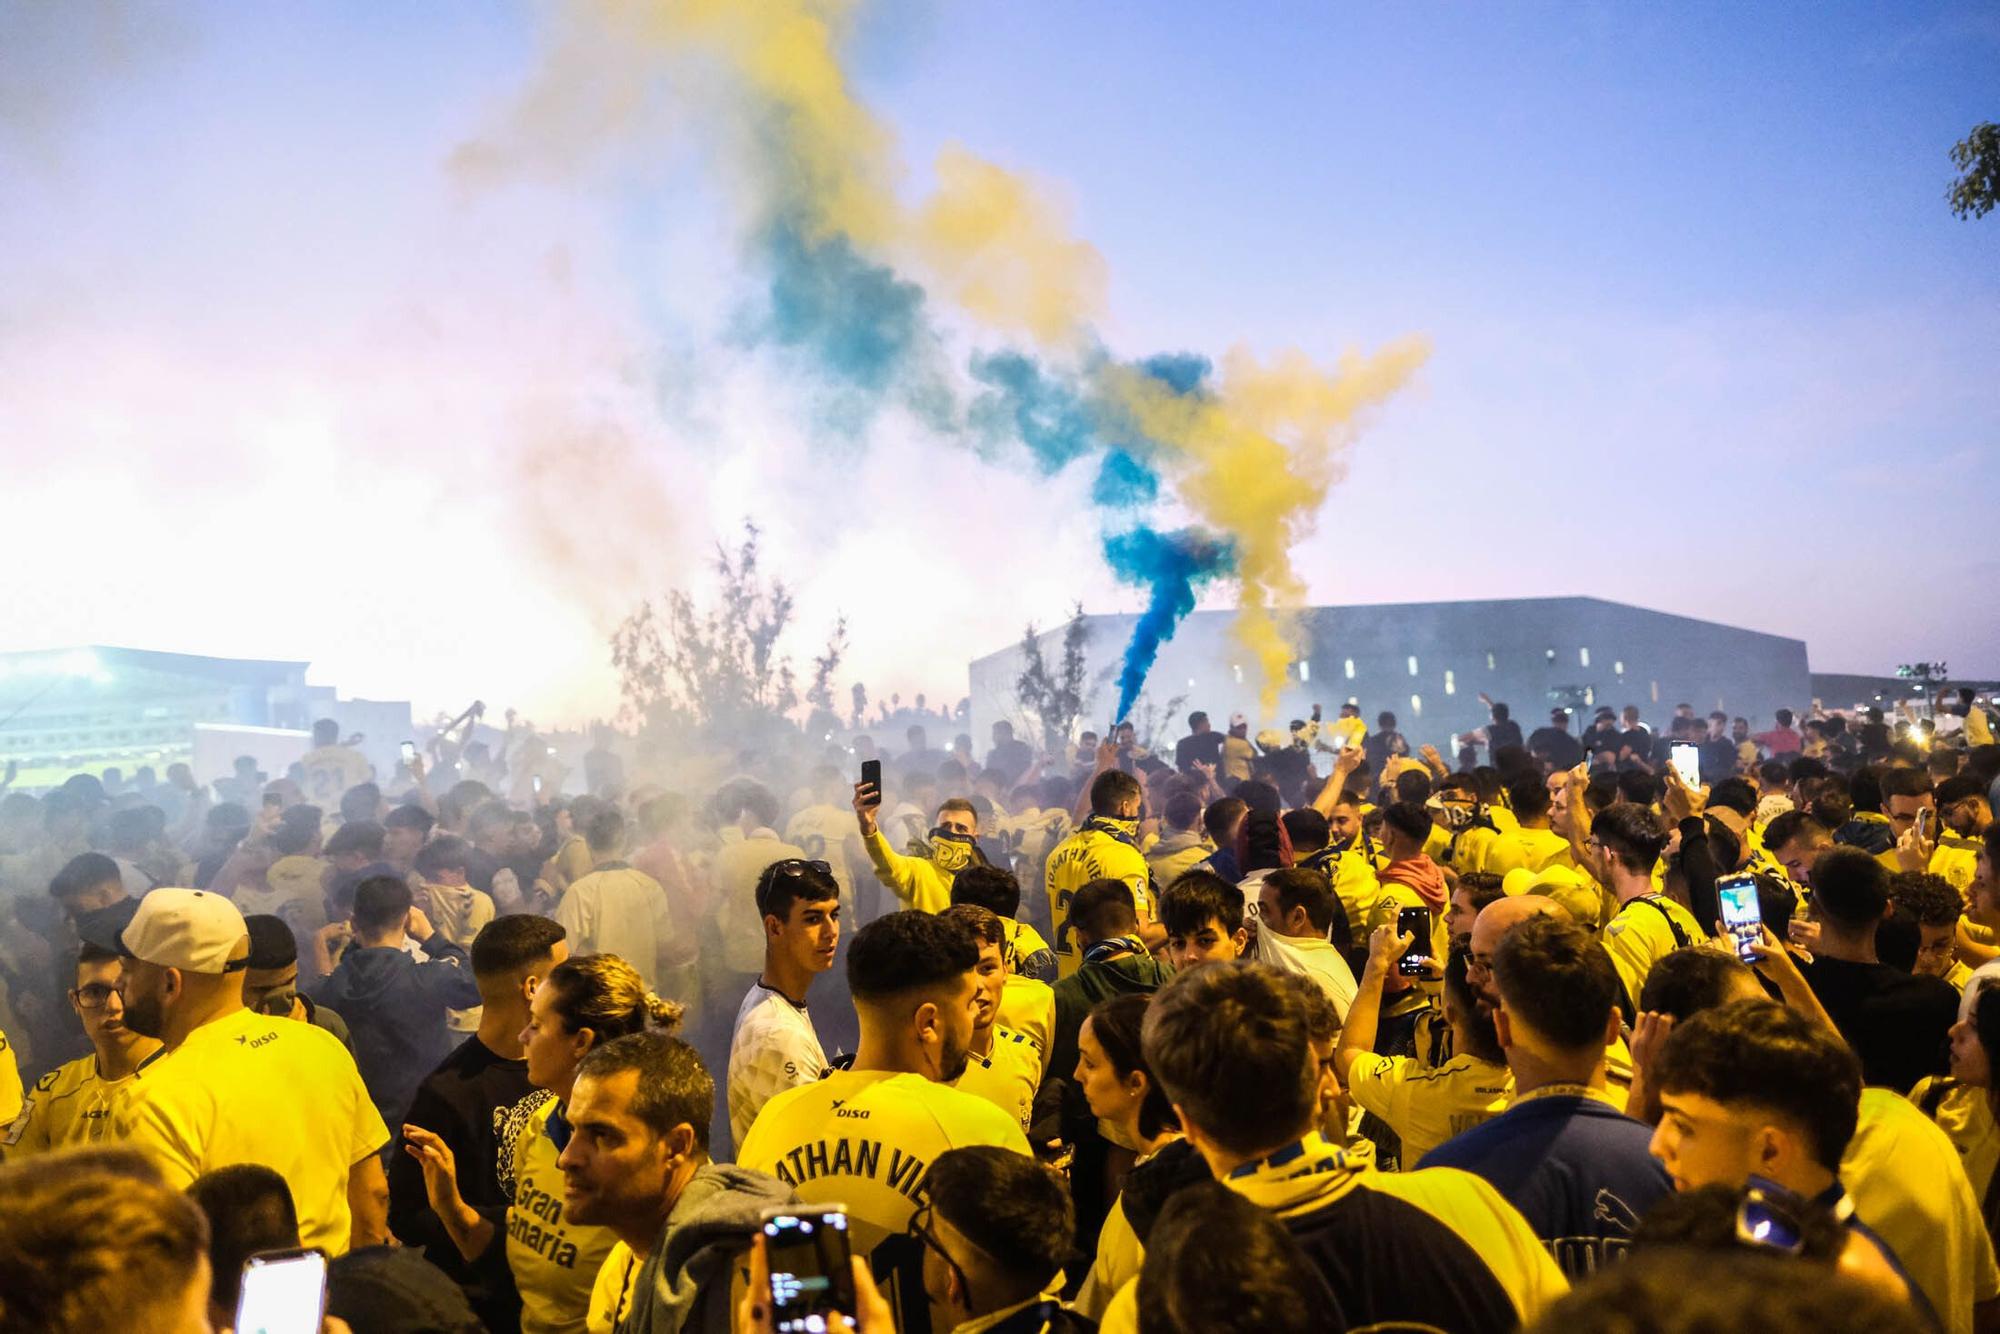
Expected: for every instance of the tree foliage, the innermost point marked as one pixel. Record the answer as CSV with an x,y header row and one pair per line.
x,y
1054,697
719,664
1976,192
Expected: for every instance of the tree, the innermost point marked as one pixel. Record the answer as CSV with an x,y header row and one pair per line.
x,y
718,666
1976,192
1054,698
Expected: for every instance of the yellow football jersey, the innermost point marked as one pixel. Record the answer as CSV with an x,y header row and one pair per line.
x,y
867,1138
1091,853
1006,1076
248,1088
555,1262
68,1107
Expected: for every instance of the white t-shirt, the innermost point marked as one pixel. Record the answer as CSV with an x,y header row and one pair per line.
x,y
1316,958
775,1047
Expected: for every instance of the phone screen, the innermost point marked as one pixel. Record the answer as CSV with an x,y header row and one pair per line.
x,y
1742,917
409,751
812,1276
1415,923
1926,818
1686,757
871,774
284,1292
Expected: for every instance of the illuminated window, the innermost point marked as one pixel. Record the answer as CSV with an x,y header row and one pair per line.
x,y
1413,666
1417,706
1349,666
1583,656
1450,682
1305,670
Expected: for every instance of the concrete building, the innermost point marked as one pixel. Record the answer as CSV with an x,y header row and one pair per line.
x,y
1428,663
65,711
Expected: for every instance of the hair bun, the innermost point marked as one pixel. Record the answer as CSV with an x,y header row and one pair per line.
x,y
663,1013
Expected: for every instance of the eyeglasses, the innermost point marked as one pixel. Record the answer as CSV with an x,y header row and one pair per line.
x,y
94,995
1769,1220
920,1228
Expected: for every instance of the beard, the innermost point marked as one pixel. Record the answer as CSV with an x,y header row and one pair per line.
x,y
145,1016
952,1060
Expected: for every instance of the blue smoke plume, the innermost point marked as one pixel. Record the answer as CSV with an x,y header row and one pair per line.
x,y
868,330
1171,566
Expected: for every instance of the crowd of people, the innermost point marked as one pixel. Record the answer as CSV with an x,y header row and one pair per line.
x,y
1296,1030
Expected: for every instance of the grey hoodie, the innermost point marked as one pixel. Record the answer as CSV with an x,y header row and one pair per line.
x,y
684,1284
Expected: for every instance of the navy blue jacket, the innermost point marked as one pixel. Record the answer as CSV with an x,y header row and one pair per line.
x,y
1577,1169
395,1011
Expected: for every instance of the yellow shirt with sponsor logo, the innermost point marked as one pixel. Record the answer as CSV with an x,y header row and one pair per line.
x,y
1029,1008
1641,934
1427,1107
248,1088
867,1138
1091,853
1007,1076
1908,1184
68,1107
555,1262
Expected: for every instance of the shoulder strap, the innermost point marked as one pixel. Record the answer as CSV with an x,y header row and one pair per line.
x,y
1681,940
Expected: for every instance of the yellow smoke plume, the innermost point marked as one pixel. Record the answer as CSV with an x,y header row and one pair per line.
x,y
1255,459
986,237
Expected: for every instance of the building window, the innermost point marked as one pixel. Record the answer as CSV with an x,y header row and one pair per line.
x,y
1583,656
1417,706
1349,666
1305,670
1413,666
1450,682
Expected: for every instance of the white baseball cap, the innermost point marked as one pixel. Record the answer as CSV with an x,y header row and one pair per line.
x,y
190,929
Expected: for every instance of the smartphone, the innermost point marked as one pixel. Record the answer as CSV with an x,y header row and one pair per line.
x,y
812,1272
1742,917
1926,821
538,785
1415,923
409,752
284,1292
871,777
1686,759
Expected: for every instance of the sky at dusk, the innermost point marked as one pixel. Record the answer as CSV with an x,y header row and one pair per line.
x,y
330,333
